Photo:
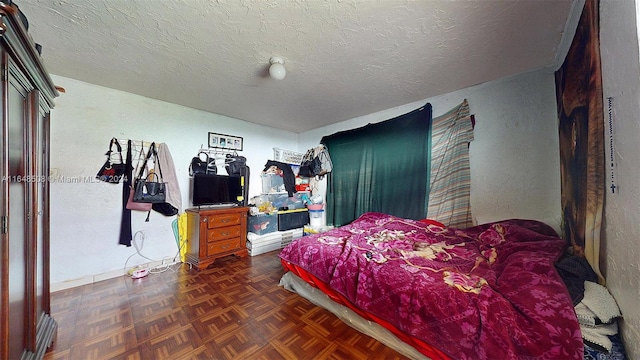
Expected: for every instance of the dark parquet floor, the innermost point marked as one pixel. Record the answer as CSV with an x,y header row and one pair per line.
x,y
232,310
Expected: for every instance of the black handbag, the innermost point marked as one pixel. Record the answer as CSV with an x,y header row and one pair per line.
x,y
112,172
310,168
310,165
234,164
316,162
150,189
200,166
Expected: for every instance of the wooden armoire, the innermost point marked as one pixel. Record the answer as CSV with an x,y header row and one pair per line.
x,y
26,326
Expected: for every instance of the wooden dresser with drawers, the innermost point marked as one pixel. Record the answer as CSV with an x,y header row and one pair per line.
x,y
215,233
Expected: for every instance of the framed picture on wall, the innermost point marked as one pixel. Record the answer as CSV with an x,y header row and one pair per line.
x,y
223,141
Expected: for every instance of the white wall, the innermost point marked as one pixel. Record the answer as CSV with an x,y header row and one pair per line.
x,y
514,162
514,158
85,214
621,80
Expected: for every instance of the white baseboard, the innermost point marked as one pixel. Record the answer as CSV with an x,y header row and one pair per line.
x,y
90,279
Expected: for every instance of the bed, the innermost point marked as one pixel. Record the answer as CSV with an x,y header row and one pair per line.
x,y
486,292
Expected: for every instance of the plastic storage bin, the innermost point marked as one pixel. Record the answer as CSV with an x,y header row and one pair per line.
x,y
272,183
315,218
287,156
292,219
262,223
282,200
260,244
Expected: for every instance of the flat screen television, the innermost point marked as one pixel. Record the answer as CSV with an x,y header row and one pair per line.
x,y
212,189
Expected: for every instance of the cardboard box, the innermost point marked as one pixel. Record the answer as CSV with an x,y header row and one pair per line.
x,y
262,223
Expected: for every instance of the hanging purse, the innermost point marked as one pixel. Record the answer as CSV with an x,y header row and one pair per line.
x,y
200,166
132,205
112,172
235,163
150,189
316,162
310,165
326,165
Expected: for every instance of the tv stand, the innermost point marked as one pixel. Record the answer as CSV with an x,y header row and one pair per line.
x,y
215,233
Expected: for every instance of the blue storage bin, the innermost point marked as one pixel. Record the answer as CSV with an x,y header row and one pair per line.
x,y
261,224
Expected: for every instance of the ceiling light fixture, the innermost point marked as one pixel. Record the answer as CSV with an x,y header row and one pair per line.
x,y
277,70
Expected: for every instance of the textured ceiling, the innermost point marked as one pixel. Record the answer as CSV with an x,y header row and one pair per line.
x,y
344,58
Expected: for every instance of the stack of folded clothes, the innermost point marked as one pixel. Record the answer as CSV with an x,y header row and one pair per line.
x,y
598,316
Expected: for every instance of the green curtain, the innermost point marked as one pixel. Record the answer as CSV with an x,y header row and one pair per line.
x,y
382,167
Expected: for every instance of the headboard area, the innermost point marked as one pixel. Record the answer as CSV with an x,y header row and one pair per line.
x,y
555,223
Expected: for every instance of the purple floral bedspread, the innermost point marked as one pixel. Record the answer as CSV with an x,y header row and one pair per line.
x,y
486,292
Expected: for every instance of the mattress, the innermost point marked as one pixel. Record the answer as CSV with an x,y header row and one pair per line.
x,y
448,292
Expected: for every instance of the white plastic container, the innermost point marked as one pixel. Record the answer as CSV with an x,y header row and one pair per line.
x,y
315,218
272,183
